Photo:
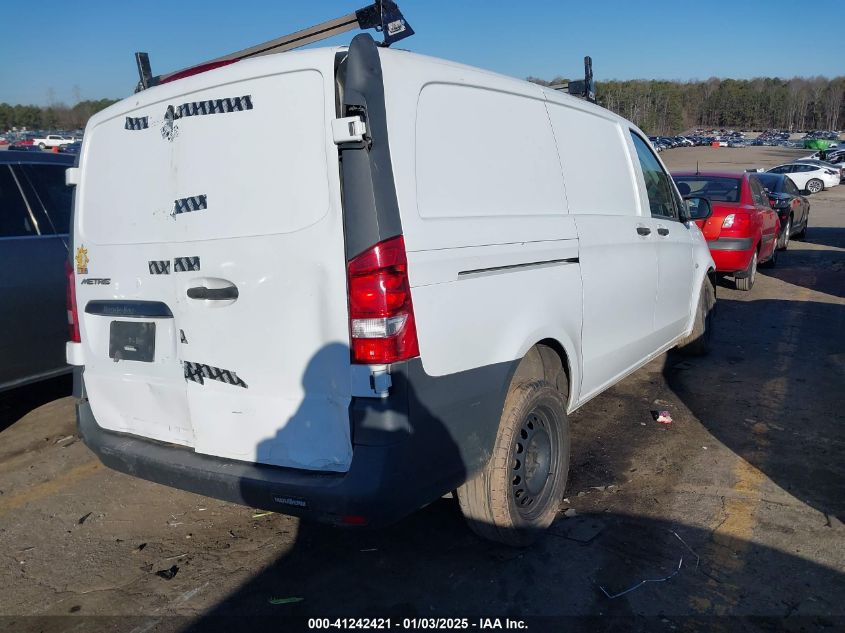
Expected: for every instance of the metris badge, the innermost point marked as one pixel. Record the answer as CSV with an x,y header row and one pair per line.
x,y
82,261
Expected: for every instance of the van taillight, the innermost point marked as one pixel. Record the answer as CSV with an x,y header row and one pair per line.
x,y
381,317
72,315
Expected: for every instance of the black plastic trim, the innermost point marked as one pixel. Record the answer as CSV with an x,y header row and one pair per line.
x,y
731,244
371,209
545,262
129,308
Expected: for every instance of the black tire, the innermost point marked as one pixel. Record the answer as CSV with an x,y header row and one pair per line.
x,y
698,342
746,282
783,240
517,494
802,234
814,185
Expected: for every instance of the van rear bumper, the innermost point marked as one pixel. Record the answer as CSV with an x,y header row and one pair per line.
x,y
426,439
355,498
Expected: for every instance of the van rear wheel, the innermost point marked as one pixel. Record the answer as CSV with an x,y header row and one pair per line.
x,y
517,494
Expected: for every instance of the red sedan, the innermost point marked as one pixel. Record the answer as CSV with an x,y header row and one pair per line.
x,y
742,228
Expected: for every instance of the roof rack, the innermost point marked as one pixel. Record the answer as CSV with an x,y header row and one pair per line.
x,y
383,16
586,88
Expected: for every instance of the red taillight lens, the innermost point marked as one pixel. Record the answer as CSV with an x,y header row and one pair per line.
x,y
381,316
72,315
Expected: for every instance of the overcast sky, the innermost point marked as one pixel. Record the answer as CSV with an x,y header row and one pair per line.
x,y
63,50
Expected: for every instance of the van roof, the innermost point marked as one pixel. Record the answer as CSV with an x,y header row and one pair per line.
x,y
257,66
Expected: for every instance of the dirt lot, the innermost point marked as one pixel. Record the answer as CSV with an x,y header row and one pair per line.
x,y
745,490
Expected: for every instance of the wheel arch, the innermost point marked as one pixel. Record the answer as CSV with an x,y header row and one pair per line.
x,y
551,358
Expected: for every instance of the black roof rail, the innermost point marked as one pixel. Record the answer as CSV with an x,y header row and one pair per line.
x,y
383,15
586,88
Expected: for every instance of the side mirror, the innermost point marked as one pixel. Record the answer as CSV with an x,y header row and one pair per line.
x,y
698,208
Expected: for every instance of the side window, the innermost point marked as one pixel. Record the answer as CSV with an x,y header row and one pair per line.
x,y
661,196
51,195
778,170
14,217
757,193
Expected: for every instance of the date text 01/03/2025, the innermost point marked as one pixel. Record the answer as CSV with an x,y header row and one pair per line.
x,y
390,624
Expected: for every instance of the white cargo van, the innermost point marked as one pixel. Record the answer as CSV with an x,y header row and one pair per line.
x,y
342,282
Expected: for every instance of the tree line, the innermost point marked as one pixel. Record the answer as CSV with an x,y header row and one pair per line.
x,y
671,107
658,107
56,116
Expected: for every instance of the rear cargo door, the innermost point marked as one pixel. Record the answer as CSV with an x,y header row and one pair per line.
x,y
218,197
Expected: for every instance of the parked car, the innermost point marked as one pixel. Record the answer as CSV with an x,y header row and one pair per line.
x,y
792,208
53,140
834,155
23,143
396,333
71,148
836,169
34,216
741,228
808,177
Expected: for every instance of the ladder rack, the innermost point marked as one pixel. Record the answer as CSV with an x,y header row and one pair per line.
x,y
586,88
383,16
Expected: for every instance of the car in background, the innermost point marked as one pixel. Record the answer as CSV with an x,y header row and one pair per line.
x,y
71,148
35,209
809,177
840,169
740,227
834,155
24,142
53,140
792,208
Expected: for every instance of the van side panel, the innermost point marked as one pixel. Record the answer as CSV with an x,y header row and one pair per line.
x,y
492,250
618,265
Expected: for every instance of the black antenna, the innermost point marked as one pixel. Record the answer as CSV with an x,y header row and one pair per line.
x,y
697,172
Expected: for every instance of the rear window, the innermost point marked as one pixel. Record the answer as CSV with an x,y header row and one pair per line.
x,y
720,189
770,182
